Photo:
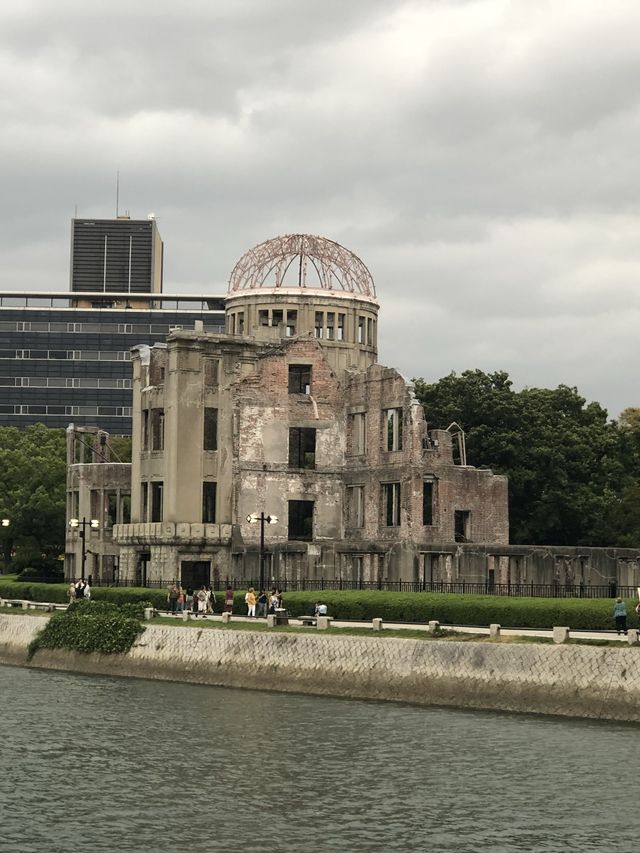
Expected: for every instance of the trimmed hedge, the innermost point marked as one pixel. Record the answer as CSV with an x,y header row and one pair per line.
x,y
577,613
481,610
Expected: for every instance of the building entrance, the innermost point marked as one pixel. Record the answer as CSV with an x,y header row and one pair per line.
x,y
195,573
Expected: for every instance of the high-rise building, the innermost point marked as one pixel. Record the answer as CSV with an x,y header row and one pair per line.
x,y
120,255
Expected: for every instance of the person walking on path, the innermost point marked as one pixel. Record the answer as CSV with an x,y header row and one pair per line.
x,y
172,598
250,600
211,600
620,615
202,602
262,603
228,599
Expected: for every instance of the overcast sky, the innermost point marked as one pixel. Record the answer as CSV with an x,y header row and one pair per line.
x,y
481,156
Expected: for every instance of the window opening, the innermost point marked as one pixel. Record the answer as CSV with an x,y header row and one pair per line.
x,y
391,504
209,502
301,520
156,501
355,503
299,378
428,494
394,429
462,525
210,436
302,447
157,429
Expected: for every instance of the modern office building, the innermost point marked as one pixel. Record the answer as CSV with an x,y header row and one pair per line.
x,y
63,360
120,255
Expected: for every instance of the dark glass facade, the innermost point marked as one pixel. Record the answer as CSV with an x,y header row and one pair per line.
x,y
62,364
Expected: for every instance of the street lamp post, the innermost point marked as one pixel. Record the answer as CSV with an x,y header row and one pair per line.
x,y
262,519
81,525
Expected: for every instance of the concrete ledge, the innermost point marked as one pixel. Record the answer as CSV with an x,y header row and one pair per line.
x,y
568,680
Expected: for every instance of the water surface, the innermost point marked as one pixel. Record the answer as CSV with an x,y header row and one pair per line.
x,y
105,764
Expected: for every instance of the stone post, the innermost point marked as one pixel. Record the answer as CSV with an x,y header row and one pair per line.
x,y
633,637
323,623
226,618
494,629
377,624
186,616
560,635
271,619
148,613
25,605
434,625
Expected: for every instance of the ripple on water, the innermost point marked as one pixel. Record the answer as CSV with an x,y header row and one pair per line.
x,y
103,764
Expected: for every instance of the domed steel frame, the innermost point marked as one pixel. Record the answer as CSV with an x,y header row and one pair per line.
x,y
307,262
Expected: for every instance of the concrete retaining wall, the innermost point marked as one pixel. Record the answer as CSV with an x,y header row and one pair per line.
x,y
576,681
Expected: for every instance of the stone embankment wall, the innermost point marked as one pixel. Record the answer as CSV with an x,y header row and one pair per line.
x,y
570,680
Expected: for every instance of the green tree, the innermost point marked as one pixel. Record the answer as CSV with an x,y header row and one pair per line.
x,y
32,490
562,455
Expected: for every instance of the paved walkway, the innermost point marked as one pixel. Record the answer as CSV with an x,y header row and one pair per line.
x,y
421,626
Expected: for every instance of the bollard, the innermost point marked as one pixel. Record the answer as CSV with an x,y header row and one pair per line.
x,y
377,624
148,613
494,629
25,605
560,635
226,618
633,637
186,616
271,619
323,623
434,626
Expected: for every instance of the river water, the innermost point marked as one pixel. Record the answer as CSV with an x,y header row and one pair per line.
x,y
105,764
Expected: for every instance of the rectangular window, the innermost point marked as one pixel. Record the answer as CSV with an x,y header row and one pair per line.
x,y
319,324
462,525
209,502
391,504
370,331
301,520
359,434
292,319
393,426
341,318
156,501
157,429
144,501
299,378
240,326
211,372
112,509
263,318
276,317
302,447
330,326
125,509
360,336
428,494
210,437
355,506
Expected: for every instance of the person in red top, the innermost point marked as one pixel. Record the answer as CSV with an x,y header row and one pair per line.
x,y
228,600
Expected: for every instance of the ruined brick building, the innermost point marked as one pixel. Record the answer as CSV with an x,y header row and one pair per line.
x,y
288,413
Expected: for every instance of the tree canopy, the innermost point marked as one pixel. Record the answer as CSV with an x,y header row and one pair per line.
x,y
574,475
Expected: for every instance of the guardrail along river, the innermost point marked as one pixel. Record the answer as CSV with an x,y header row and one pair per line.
x,y
105,764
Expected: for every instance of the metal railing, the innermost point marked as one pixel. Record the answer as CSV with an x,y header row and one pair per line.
x,y
524,590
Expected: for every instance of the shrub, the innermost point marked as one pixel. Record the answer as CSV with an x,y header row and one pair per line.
x,y
89,627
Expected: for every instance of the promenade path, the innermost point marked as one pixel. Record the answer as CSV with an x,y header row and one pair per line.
x,y
422,626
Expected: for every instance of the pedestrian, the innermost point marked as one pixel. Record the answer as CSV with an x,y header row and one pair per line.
x,y
172,598
273,600
321,610
228,599
80,585
262,603
250,601
202,602
620,615
71,592
87,591
181,600
211,600
189,599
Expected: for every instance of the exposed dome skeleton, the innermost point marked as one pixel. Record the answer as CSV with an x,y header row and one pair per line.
x,y
302,261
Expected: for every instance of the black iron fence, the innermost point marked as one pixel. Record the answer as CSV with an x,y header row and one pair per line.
x,y
526,590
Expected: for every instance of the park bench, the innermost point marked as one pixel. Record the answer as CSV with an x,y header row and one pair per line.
x,y
308,621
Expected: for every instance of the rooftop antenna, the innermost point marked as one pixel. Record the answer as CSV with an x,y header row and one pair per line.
x,y
117,191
